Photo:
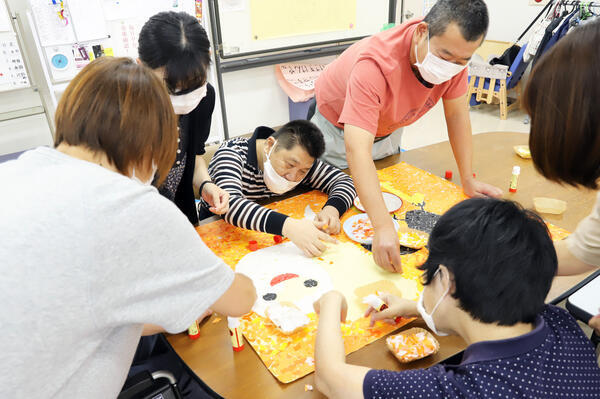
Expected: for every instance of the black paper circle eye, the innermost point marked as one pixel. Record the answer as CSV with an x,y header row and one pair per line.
x,y
310,283
270,296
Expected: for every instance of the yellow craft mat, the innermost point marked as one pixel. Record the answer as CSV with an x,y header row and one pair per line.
x,y
291,357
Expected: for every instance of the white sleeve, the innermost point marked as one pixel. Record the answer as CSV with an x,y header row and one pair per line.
x,y
158,270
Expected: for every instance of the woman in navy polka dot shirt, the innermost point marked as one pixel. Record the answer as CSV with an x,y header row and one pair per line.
x,y
489,270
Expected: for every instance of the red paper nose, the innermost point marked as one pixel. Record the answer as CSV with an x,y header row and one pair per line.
x,y
282,277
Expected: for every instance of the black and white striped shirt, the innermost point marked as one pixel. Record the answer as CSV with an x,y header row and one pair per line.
x,y
234,168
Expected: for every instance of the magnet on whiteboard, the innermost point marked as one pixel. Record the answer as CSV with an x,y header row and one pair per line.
x,y
59,61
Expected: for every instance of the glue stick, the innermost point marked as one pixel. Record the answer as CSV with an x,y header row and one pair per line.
x,y
237,340
513,180
375,302
194,331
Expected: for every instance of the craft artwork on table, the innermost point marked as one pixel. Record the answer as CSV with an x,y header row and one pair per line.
x,y
290,282
282,274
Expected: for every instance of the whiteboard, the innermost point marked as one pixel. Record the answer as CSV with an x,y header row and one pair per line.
x,y
238,37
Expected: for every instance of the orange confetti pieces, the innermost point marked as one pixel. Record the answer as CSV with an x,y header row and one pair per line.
x,y
415,343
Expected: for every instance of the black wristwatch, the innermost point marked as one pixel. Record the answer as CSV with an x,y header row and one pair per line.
x,y
202,187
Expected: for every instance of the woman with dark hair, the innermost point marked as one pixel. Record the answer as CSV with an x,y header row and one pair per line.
x,y
176,47
562,98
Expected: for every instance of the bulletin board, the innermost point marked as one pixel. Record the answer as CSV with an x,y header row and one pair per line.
x,y
72,33
289,357
247,27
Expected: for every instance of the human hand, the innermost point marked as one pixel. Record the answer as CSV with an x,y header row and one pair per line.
x,y
475,188
305,234
216,197
332,298
386,248
396,306
330,218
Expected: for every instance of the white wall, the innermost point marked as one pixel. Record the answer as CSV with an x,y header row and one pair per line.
x,y
509,18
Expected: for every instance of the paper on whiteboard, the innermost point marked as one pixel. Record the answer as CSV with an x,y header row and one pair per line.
x,y
303,76
284,18
124,35
232,5
51,30
87,19
5,25
13,74
61,72
121,9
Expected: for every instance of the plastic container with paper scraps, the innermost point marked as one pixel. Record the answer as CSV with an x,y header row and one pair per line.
x,y
412,344
549,205
359,228
288,319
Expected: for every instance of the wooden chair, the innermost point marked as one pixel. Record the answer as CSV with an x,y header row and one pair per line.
x,y
491,83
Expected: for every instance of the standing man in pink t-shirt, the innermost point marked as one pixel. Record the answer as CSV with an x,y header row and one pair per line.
x,y
390,80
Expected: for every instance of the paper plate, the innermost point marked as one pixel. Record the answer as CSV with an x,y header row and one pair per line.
x,y
392,203
358,228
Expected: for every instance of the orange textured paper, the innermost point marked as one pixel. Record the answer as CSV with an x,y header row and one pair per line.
x,y
289,357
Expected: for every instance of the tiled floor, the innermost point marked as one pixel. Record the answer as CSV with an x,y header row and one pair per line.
x,y
431,128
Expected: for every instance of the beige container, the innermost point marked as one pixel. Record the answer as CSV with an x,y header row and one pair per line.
x,y
549,205
523,151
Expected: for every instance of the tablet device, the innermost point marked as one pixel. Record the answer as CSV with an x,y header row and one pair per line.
x,y
584,303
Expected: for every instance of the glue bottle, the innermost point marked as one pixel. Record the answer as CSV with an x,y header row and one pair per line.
x,y
513,180
194,331
237,340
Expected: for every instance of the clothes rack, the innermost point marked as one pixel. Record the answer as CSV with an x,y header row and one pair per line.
x,y
552,3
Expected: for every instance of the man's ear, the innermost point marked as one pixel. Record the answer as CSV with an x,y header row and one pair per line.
x,y
422,30
139,62
448,279
269,143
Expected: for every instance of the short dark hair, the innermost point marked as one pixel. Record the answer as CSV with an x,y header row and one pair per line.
x,y
471,16
562,98
177,42
501,256
122,109
303,133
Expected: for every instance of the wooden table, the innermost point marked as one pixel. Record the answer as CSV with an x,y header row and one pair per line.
x,y
243,375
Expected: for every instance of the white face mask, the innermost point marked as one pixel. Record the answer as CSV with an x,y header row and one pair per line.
x,y
185,103
428,317
150,179
436,70
276,183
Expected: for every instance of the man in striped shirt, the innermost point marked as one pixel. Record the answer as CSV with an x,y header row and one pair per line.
x,y
271,163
